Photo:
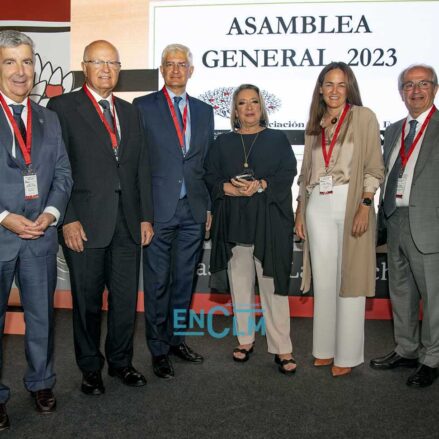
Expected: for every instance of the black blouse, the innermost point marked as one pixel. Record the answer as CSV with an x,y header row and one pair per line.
x,y
265,219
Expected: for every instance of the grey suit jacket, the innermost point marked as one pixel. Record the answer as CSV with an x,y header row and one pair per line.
x,y
51,164
424,195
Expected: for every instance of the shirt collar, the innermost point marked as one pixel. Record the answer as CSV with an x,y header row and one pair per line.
x,y
98,97
421,118
9,101
172,94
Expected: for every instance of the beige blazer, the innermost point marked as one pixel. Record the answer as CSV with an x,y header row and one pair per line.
x,y
358,269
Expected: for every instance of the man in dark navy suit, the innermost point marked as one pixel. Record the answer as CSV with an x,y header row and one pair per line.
x,y
179,131
35,184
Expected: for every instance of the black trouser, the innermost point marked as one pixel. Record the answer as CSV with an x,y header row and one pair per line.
x,y
117,268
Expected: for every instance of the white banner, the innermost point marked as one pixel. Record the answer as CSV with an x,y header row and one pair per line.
x,y
282,47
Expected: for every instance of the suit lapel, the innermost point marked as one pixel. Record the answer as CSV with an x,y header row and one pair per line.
x,y
428,144
394,136
90,116
5,132
123,123
195,114
37,132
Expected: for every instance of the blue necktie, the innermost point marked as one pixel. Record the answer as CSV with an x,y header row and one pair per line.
x,y
392,181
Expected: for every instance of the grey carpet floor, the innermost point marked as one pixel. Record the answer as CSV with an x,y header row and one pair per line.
x,y
224,399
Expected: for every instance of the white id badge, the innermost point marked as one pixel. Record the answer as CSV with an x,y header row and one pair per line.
x,y
325,184
30,185
400,187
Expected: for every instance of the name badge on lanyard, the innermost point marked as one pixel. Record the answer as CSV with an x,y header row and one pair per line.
x,y
30,184
325,185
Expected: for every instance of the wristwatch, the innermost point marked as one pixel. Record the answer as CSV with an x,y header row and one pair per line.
x,y
260,188
366,202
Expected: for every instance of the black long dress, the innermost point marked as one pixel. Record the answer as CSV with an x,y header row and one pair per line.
x,y
265,219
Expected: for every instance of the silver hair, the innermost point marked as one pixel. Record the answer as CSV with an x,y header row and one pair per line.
x,y
234,121
177,48
415,66
14,38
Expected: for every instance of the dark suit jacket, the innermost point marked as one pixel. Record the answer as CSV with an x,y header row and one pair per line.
x,y
97,173
51,164
424,194
168,165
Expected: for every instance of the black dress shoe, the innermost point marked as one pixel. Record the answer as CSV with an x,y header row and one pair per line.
x,y
45,401
4,419
92,383
128,375
162,366
391,361
423,376
184,352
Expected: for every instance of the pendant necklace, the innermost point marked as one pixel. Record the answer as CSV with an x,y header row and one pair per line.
x,y
246,155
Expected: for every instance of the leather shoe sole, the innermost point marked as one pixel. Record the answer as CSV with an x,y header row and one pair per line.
x,y
129,376
92,383
423,376
392,361
338,371
162,367
319,362
45,401
185,353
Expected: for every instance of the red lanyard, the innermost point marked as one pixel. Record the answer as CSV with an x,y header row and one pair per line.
x,y
112,133
404,157
180,134
327,155
25,148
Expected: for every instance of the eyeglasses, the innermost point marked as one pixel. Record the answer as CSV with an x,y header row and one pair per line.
x,y
97,63
423,85
178,65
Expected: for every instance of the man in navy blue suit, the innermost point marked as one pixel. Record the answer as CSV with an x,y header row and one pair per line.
x,y
179,131
35,185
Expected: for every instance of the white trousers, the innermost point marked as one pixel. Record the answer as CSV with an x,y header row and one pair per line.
x,y
276,311
338,321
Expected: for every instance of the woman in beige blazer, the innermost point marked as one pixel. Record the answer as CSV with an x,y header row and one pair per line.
x,y
342,169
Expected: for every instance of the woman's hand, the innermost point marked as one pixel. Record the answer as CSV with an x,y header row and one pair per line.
x,y
241,188
299,227
361,221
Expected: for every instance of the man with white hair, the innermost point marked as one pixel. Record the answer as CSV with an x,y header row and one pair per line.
x,y
179,131
35,182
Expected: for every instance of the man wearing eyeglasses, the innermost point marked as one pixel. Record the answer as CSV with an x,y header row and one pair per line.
x,y
108,218
410,204
179,131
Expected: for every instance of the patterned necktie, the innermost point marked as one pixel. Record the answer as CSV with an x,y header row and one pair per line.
x,y
392,180
109,118
16,111
177,100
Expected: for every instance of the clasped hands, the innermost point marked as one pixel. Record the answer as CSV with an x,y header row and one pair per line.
x,y
238,187
26,228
